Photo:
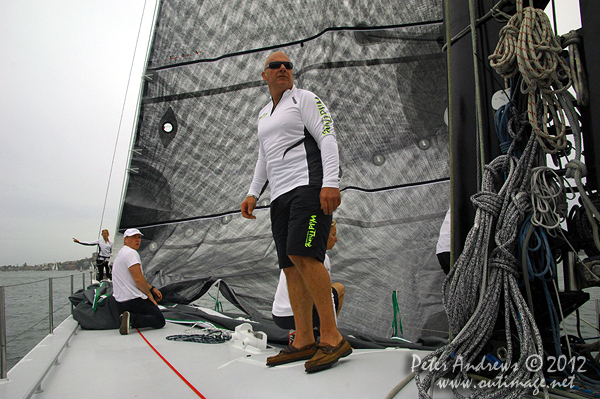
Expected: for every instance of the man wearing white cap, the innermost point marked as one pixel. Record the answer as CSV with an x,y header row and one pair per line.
x,y
135,297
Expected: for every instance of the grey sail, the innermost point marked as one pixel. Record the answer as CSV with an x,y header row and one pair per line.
x,y
379,67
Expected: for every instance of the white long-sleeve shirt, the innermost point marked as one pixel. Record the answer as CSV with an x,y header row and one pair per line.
x,y
444,240
297,145
104,247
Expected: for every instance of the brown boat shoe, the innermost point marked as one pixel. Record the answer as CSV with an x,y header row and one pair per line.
x,y
327,356
291,354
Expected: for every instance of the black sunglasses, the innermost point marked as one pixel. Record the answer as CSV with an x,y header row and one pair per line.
x,y
278,64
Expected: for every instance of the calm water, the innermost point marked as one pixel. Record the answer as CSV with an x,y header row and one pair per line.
x,y
27,309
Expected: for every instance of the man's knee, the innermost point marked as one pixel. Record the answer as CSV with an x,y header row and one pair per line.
x,y
304,262
291,273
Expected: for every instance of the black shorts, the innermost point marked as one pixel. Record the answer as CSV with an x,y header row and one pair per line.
x,y
299,225
287,322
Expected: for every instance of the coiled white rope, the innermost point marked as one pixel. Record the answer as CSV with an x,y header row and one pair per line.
x,y
577,170
547,194
527,45
572,40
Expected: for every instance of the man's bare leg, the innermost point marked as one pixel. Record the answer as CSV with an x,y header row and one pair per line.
x,y
302,305
318,285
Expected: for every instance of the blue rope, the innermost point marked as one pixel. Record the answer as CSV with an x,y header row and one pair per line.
x,y
502,119
540,262
501,123
541,265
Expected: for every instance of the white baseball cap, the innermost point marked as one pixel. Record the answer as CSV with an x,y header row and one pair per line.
x,y
131,232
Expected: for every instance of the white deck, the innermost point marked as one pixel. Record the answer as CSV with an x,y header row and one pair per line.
x,y
104,364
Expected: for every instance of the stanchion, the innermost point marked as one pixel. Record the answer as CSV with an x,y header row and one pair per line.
x,y
50,308
3,370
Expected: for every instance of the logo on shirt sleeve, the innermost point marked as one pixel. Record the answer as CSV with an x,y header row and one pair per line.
x,y
327,121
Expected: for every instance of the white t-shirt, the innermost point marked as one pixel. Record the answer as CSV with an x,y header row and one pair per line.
x,y
124,287
281,303
443,244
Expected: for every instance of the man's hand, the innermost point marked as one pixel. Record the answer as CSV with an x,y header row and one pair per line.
x,y
151,298
330,199
248,207
156,293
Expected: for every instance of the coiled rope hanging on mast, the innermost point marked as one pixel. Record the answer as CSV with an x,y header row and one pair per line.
x,y
528,46
481,284
478,285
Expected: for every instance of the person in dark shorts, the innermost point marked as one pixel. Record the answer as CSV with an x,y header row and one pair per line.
x,y
282,312
298,157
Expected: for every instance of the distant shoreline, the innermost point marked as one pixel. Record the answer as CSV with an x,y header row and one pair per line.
x,y
73,265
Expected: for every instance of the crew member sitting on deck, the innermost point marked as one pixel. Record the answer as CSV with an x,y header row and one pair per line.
x,y
135,297
282,312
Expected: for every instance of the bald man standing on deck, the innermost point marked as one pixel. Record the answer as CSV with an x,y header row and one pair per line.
x,y
298,156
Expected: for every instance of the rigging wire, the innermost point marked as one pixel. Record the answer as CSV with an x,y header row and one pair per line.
x,y
494,12
112,163
132,136
478,108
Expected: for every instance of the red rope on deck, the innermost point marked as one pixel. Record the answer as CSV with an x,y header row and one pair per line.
x,y
171,366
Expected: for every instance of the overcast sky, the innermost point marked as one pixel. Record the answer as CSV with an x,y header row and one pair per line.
x,y
64,72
